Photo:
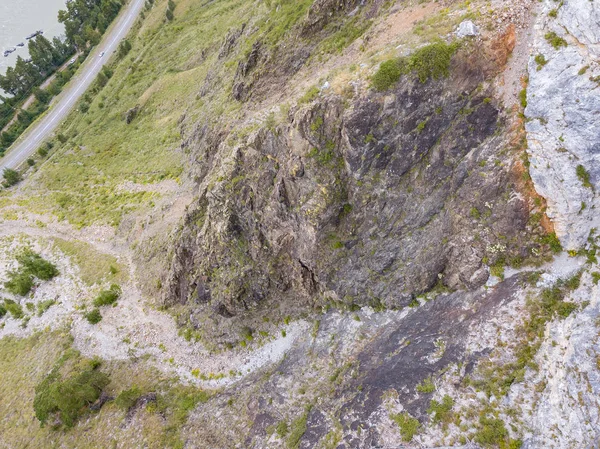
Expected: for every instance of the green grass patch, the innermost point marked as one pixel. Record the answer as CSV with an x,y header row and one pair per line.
x,y
127,398
441,412
297,430
94,266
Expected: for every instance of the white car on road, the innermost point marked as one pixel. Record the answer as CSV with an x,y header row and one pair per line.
x,y
101,54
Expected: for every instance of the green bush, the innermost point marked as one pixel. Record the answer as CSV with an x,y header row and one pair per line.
x,y
3,311
297,429
37,266
523,98
19,283
552,240
389,73
11,177
44,305
491,432
15,309
427,386
407,424
108,297
431,61
541,61
127,398
94,317
31,264
64,400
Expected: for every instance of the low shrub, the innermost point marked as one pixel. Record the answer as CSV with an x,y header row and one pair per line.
x,y
19,283
584,176
62,400
389,73
15,309
441,411
11,177
127,398
94,317
407,424
37,266
108,297
431,61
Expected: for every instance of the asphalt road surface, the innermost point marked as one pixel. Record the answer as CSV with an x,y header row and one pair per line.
x,y
28,144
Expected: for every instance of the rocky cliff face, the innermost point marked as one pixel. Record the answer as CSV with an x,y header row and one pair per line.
x,y
562,112
371,199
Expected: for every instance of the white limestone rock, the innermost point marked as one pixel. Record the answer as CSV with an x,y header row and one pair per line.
x,y
467,29
563,115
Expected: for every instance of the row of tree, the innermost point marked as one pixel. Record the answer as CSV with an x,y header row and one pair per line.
x,y
45,57
85,21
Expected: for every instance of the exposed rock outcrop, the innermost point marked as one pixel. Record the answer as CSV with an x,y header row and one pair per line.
x,y
563,107
366,204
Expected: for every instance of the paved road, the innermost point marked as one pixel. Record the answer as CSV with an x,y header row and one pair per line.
x,y
28,144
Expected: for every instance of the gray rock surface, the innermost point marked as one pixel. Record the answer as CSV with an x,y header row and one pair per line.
x,y
467,29
371,203
563,113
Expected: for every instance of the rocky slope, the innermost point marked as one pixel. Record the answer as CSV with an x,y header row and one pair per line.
x,y
363,248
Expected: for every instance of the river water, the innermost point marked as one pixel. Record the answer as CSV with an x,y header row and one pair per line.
x,y
19,18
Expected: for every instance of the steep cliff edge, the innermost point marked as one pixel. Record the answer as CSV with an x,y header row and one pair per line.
x,y
562,111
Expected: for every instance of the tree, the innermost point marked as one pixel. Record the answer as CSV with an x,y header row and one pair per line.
x,y
11,177
169,15
124,48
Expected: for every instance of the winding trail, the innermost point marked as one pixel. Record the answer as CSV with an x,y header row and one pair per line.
x,y
40,130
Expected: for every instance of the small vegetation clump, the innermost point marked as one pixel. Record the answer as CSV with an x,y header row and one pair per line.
x,y
552,240
408,425
108,297
584,176
94,316
441,411
431,61
31,265
11,177
427,386
127,398
297,429
523,98
15,309
309,96
541,61
389,73
61,398
555,40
